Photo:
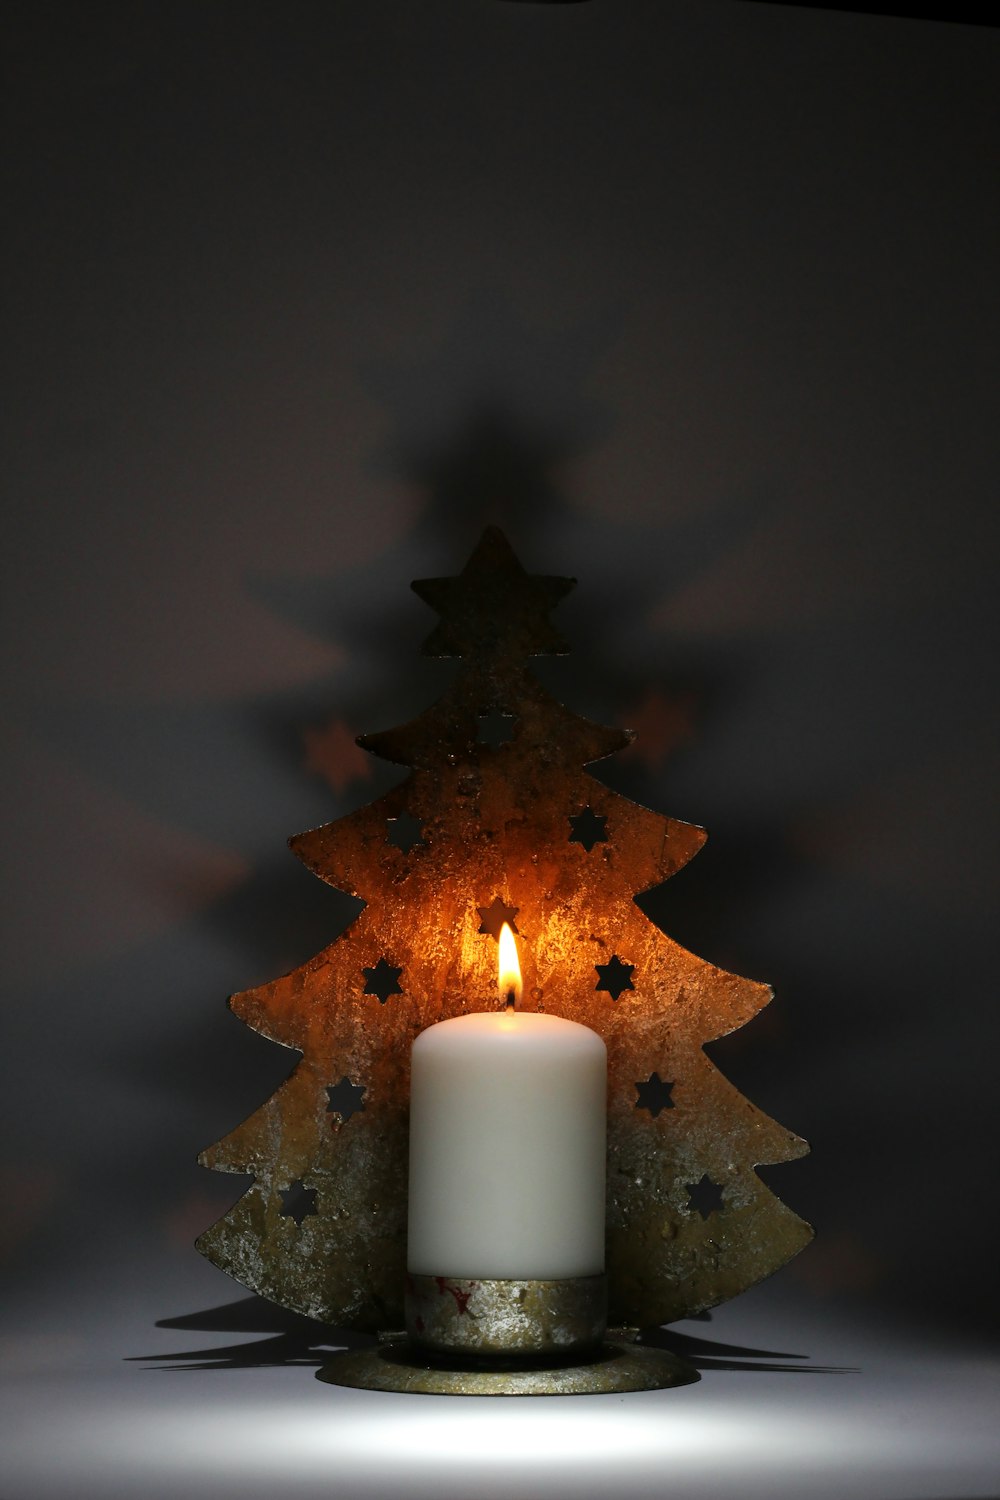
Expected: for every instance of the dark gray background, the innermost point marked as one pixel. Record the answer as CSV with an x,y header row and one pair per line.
x,y
698,301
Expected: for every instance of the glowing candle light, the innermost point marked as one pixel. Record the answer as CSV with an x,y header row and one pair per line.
x,y
507,1142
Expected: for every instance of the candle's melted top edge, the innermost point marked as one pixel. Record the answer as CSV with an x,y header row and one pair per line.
x,y
511,1025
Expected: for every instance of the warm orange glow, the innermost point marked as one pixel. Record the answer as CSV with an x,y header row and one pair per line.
x,y
509,976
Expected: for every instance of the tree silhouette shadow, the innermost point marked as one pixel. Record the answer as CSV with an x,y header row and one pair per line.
x,y
292,1339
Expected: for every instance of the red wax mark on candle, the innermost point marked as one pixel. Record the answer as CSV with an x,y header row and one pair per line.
x,y
461,1298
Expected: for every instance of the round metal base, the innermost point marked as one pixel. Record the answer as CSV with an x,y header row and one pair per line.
x,y
617,1366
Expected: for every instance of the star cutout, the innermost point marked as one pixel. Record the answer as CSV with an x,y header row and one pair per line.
x,y
346,1098
496,728
704,1196
297,1202
493,607
405,832
589,828
615,977
382,980
654,1095
493,917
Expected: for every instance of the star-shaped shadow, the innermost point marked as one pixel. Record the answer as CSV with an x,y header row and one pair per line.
x,y
493,917
298,1202
382,980
615,977
345,1098
495,728
406,832
493,603
705,1197
588,828
654,1095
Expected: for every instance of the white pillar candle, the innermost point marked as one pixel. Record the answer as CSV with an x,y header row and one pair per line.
x,y
507,1147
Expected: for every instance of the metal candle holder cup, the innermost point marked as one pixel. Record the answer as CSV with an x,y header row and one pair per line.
x,y
486,1337
506,1319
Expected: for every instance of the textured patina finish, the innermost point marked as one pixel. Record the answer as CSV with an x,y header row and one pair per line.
x,y
504,1318
495,823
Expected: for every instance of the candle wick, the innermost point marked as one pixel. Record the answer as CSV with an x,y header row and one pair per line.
x,y
511,999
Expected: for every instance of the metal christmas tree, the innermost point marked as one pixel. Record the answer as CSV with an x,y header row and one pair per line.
x,y
499,820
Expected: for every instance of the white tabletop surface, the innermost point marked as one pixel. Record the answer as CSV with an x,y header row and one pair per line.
x,y
792,1401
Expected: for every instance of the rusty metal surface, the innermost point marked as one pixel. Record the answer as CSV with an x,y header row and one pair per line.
x,y
690,1223
455,1315
617,1367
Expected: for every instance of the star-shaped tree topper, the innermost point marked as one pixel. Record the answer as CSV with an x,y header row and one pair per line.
x,y
654,1095
615,977
705,1196
494,607
345,1098
493,917
382,980
588,829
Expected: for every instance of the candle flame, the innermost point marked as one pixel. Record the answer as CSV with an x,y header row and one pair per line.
x,y
509,970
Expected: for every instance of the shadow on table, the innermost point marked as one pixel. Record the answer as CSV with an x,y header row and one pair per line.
x,y
292,1339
